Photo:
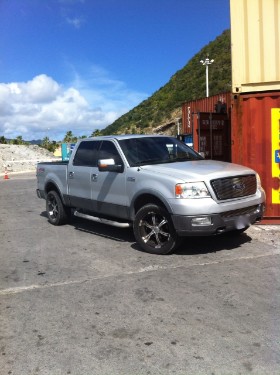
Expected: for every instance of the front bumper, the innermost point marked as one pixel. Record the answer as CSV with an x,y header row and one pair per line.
x,y
219,223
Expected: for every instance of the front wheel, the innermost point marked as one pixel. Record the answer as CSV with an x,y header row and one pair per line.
x,y
154,231
58,214
235,232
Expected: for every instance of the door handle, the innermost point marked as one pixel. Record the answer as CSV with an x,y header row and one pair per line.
x,y
94,177
71,174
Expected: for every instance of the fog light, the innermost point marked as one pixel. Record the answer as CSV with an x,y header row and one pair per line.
x,y
203,220
258,209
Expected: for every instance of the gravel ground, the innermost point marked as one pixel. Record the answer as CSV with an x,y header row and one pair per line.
x,y
20,158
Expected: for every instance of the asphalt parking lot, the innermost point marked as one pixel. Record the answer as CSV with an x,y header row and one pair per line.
x,y
83,299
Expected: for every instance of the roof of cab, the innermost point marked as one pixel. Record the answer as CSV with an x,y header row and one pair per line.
x,y
126,136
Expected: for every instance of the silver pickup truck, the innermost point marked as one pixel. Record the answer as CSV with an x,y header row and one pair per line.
x,y
156,184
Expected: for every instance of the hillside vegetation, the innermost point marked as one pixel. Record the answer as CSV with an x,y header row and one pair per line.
x,y
185,85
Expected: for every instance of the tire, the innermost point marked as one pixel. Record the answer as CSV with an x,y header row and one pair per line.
x,y
154,231
237,231
57,213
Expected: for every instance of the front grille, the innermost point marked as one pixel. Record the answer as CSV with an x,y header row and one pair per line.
x,y
234,187
240,212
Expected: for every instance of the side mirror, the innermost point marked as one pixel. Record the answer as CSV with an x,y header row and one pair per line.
x,y
108,165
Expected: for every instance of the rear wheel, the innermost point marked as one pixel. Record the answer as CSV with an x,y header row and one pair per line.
x,y
154,231
58,214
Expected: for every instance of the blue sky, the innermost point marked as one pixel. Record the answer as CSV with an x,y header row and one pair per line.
x,y
80,64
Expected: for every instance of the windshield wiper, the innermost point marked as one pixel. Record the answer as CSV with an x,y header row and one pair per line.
x,y
150,161
186,158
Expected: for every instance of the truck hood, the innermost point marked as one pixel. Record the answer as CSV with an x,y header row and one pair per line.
x,y
199,169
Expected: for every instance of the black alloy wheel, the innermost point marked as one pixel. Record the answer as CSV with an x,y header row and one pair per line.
x,y
154,231
57,213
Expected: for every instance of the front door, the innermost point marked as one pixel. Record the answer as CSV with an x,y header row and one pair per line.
x,y
108,189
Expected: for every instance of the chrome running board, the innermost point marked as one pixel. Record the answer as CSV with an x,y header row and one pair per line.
x,y
102,220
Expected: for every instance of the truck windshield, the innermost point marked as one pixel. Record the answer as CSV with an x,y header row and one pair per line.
x,y
156,150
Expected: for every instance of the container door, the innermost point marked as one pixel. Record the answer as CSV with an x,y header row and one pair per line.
x,y
213,136
256,143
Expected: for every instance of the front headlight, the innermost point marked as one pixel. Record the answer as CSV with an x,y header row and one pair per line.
x,y
259,183
192,190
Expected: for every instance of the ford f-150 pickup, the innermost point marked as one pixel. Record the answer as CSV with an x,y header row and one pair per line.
x,y
156,184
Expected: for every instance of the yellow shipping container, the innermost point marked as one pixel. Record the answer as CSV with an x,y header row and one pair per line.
x,y
255,31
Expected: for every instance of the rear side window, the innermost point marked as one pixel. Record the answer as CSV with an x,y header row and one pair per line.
x,y
86,155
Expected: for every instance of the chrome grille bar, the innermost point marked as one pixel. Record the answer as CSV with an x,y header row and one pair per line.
x,y
234,187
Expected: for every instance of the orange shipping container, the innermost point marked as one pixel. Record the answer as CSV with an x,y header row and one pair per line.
x,y
189,109
255,135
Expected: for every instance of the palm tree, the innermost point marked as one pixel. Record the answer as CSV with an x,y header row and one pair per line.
x,y
68,137
45,142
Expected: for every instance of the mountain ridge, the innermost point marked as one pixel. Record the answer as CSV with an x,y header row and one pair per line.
x,y
187,84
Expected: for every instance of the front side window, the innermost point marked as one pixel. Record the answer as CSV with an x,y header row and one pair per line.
x,y
109,151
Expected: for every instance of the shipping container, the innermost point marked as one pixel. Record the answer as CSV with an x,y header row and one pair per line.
x,y
220,103
255,142
255,45
250,135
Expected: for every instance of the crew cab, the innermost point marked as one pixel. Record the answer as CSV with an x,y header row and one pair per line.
x,y
155,184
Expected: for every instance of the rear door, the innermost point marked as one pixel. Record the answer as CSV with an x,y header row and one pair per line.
x,y
80,175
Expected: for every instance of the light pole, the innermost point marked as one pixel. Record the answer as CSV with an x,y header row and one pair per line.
x,y
207,62
178,125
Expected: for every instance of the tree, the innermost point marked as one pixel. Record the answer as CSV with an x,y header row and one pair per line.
x,y
96,133
49,145
52,146
68,137
18,141
45,142
3,140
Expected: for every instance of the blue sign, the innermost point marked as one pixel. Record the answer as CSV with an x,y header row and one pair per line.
x,y
277,156
188,139
66,150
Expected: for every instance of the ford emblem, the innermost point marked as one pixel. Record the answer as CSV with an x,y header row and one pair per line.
x,y
239,187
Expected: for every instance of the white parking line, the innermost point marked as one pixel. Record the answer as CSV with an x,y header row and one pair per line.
x,y
151,268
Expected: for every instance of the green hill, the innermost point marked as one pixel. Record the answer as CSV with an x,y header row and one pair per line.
x,y
185,85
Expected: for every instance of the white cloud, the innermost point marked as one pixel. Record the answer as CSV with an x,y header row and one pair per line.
x,y
43,107
76,21
68,12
